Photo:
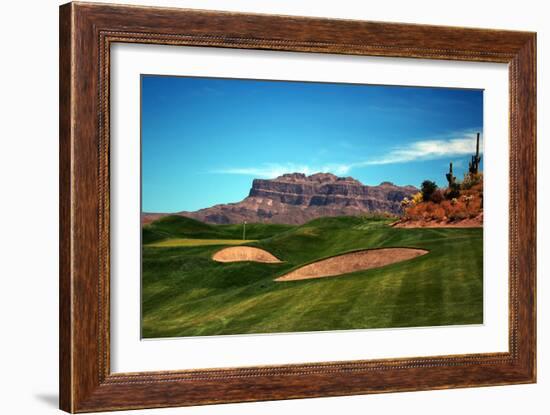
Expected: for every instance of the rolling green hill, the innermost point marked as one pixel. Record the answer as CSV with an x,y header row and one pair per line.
x,y
186,293
171,227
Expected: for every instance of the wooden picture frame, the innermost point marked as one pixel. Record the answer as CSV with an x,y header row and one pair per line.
x,y
86,33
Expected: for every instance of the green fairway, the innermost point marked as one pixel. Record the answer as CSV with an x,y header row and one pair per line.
x,y
199,242
186,293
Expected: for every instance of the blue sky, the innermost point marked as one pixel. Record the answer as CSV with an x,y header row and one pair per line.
x,y
205,139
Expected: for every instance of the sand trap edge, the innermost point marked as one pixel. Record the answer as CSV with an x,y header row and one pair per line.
x,y
314,270
245,254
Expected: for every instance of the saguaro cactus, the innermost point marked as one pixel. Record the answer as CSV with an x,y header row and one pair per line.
x,y
474,164
450,178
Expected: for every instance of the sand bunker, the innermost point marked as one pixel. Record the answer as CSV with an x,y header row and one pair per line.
x,y
244,253
354,261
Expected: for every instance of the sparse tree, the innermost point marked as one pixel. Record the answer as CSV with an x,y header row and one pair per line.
x,y
428,188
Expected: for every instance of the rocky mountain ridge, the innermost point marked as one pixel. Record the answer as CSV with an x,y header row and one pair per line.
x,y
296,198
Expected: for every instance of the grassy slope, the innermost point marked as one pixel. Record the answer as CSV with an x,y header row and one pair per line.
x,y
185,293
199,242
172,227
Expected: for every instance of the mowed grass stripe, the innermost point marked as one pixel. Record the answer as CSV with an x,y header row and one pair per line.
x,y
186,293
175,242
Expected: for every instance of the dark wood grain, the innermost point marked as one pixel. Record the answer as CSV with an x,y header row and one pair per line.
x,y
86,33
65,246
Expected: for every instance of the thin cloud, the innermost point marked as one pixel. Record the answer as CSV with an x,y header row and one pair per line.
x,y
272,170
422,150
426,150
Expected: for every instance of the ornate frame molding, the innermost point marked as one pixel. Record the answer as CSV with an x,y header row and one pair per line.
x,y
87,31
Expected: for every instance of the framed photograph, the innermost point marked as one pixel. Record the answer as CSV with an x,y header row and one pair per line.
x,y
259,207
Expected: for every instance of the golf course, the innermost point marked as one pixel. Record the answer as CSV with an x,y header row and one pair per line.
x,y
408,277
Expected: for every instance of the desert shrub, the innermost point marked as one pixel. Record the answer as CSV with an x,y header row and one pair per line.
x,y
453,204
473,199
417,198
416,212
471,180
473,204
425,211
453,191
427,189
458,211
410,213
437,196
439,213
428,207
446,206
477,187
467,199
476,190
433,211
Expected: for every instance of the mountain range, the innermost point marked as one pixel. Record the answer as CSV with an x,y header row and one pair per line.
x,y
295,198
